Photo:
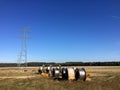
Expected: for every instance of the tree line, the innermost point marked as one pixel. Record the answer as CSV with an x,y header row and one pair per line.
x,y
29,64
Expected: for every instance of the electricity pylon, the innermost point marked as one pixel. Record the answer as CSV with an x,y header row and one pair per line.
x,y
23,52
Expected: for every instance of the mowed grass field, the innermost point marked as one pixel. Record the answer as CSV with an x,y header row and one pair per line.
x,y
99,78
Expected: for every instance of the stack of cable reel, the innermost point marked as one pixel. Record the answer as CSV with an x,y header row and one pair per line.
x,y
64,73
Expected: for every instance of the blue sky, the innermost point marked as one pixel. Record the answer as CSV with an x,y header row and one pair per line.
x,y
61,30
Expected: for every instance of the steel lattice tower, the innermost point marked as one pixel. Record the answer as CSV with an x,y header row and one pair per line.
x,y
23,52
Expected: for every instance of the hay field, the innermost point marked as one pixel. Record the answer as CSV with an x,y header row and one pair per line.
x,y
99,78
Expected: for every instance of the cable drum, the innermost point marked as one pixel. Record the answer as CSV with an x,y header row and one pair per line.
x,y
82,74
53,72
77,74
64,74
56,73
71,74
39,71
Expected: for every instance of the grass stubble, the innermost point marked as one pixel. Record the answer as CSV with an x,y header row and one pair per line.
x,y
14,79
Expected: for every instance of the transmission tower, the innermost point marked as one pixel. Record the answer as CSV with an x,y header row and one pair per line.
x,y
23,52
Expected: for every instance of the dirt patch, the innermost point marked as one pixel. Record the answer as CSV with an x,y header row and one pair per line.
x,y
17,77
98,74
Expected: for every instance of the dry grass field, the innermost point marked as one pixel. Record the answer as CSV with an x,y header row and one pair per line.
x,y
99,78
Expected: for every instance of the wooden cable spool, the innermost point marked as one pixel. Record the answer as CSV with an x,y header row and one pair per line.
x,y
71,74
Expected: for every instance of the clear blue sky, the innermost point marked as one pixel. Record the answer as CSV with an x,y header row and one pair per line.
x,y
61,30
